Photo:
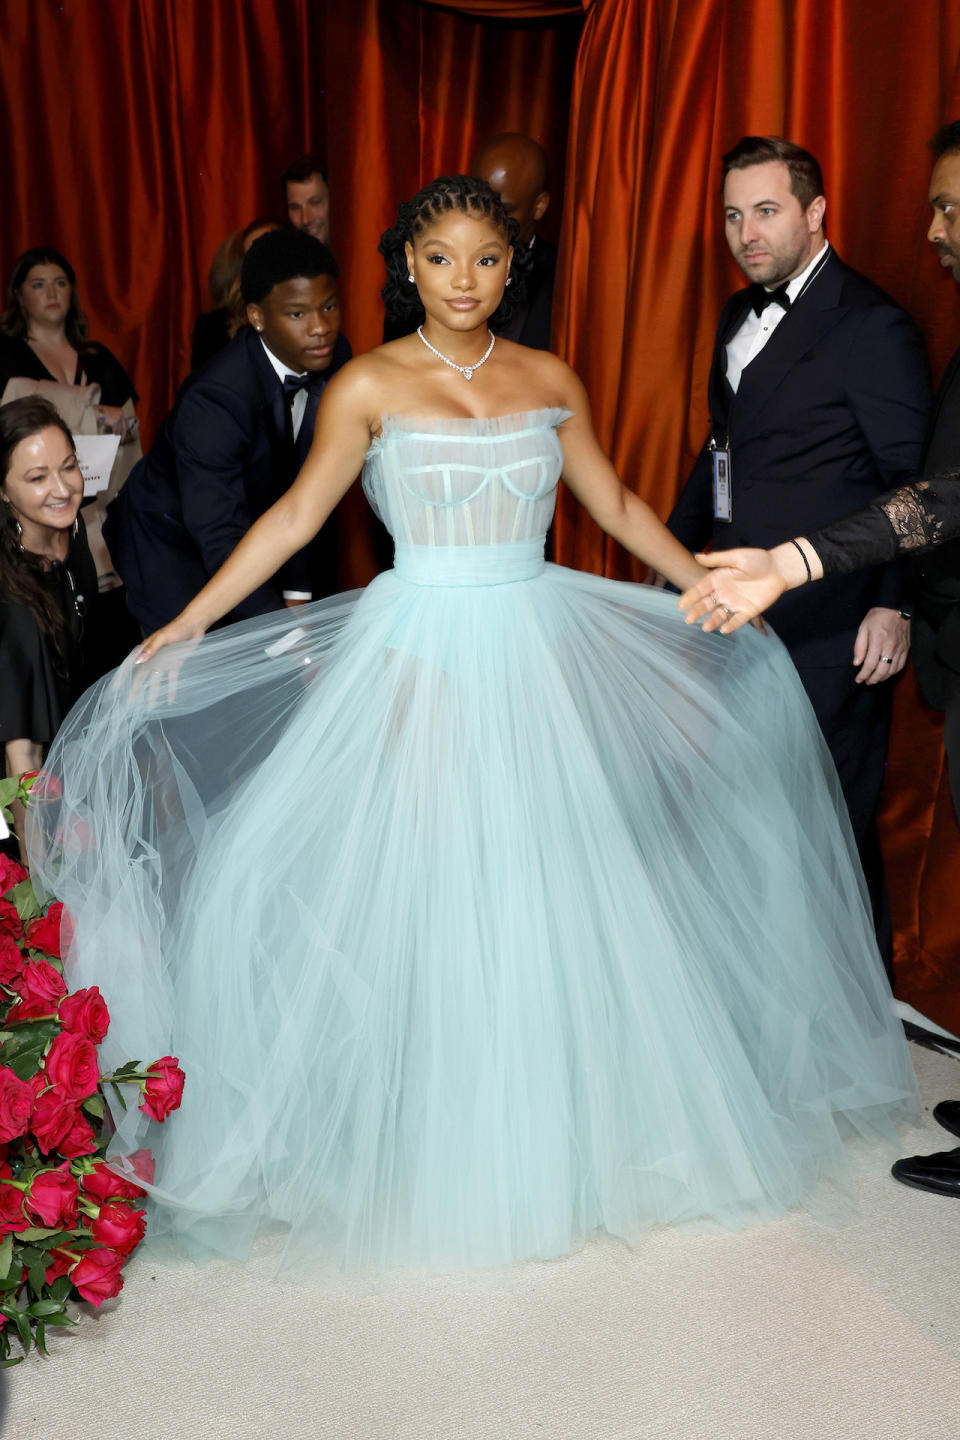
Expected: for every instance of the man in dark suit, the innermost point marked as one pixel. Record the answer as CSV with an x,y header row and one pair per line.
x,y
236,437
819,395
516,167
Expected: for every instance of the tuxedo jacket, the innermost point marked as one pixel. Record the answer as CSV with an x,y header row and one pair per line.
x,y
530,324
829,414
937,573
222,457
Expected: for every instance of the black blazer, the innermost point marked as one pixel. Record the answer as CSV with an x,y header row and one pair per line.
x,y
221,459
828,415
937,573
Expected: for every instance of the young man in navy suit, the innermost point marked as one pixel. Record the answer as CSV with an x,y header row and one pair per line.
x,y
236,437
819,396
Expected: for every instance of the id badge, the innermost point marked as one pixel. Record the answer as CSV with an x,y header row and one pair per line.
x,y
722,486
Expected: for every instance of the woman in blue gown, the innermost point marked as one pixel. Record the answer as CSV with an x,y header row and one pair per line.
x,y
490,907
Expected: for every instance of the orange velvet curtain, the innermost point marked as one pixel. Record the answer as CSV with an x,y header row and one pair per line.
x,y
137,136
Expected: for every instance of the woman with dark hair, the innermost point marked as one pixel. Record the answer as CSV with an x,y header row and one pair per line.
x,y
47,580
492,906
44,336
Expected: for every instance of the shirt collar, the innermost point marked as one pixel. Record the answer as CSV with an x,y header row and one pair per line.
x,y
798,281
282,371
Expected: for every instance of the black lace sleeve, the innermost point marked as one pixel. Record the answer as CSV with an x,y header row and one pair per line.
x,y
912,517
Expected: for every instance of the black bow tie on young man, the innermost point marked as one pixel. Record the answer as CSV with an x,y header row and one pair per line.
x,y
293,383
760,297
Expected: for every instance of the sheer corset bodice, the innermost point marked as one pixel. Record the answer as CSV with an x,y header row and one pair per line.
x,y
464,486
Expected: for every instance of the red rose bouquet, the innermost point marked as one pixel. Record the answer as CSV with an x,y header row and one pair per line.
x,y
68,1223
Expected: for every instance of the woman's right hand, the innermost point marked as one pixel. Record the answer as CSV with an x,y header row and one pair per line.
x,y
178,631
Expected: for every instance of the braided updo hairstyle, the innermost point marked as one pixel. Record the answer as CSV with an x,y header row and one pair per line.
x,y
442,196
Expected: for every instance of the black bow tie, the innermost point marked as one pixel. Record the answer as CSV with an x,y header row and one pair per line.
x,y
293,383
761,297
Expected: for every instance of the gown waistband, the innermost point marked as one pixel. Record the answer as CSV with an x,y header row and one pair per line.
x,y
470,564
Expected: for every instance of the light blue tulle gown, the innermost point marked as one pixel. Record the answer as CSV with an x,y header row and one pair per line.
x,y
487,908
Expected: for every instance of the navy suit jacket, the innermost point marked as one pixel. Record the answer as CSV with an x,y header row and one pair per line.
x,y
221,459
830,413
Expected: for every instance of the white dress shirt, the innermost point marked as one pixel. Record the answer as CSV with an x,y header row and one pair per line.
x,y
757,329
297,410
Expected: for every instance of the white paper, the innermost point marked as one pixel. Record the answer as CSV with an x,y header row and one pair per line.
x,y
96,454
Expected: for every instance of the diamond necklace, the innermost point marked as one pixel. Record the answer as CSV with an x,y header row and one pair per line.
x,y
465,370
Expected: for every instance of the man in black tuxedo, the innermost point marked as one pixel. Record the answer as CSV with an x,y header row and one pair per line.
x,y
236,437
936,631
516,167
819,396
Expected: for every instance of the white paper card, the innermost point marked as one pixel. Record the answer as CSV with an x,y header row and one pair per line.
x,y
96,454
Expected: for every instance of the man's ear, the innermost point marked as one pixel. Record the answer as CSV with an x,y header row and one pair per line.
x,y
815,213
541,205
255,317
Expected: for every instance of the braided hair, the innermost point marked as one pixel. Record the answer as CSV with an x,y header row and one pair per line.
x,y
469,196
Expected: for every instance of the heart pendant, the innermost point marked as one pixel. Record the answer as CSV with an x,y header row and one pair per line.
x,y
468,374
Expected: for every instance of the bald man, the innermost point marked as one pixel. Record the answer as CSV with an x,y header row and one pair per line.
x,y
516,167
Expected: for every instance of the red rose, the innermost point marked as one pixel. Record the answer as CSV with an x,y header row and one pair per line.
x,y
71,1065
97,1275
78,1140
46,786
103,1184
40,988
143,1165
52,1198
164,1089
85,1013
119,1228
12,960
10,874
54,1117
60,1263
10,922
16,1105
44,933
12,1217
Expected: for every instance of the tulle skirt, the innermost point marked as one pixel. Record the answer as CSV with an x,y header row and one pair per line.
x,y
482,917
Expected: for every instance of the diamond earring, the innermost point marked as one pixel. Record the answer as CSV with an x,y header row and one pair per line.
x,y
410,278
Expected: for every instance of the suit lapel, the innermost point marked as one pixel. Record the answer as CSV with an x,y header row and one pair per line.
x,y
812,317
719,394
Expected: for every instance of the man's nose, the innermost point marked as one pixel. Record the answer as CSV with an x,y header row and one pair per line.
x,y
937,230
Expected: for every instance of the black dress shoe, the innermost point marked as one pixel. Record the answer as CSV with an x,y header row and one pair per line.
x,y
947,1114
939,1173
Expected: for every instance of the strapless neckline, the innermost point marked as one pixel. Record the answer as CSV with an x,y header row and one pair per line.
x,y
545,417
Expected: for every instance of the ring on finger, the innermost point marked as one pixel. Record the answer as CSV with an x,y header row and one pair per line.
x,y
886,659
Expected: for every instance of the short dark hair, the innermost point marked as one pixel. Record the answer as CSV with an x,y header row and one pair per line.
x,y
470,196
13,321
946,141
806,177
283,255
300,170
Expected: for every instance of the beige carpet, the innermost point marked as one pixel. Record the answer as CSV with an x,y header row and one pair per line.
x,y
787,1331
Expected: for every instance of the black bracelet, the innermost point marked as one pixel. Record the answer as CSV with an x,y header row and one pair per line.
x,y
806,562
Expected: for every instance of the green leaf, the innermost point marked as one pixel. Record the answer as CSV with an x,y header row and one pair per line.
x,y
23,1326
61,1320
117,1091
41,1309
94,1106
6,1255
35,1232
5,1364
11,1282
29,1255
40,1337
24,898
37,1277
61,1288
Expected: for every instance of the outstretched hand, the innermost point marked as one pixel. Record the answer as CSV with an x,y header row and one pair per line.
x,y
741,585
150,673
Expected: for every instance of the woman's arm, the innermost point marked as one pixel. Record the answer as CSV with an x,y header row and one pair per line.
x,y
21,756
621,513
340,440
742,583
